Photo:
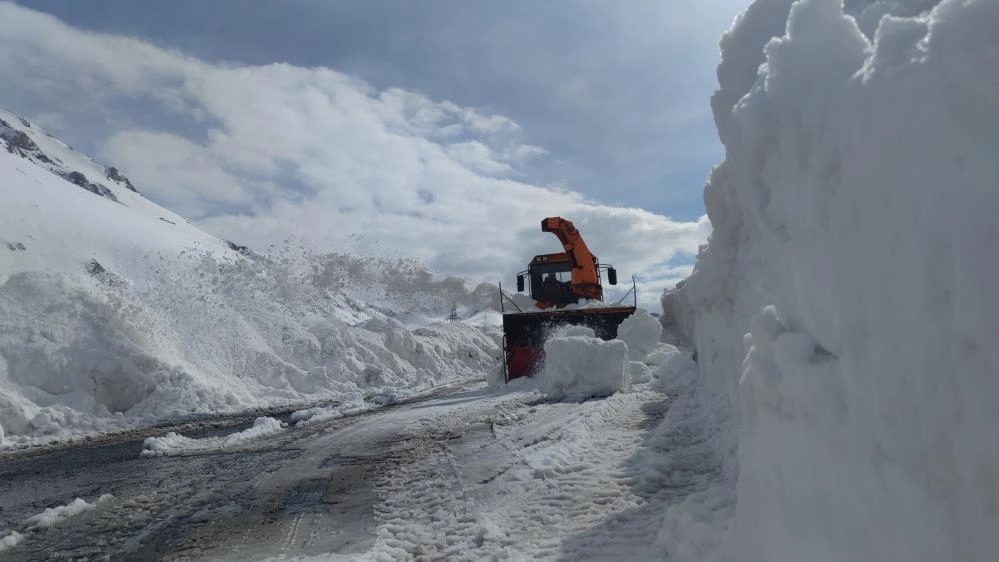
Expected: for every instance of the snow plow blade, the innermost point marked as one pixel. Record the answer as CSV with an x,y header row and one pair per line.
x,y
525,333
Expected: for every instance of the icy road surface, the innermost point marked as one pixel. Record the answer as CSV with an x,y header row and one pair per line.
x,y
473,474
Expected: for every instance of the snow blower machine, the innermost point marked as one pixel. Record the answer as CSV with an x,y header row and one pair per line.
x,y
567,290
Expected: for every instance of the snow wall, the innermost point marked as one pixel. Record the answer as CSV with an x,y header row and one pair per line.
x,y
677,317
846,306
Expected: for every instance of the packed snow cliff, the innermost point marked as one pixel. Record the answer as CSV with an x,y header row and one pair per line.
x,y
117,312
846,305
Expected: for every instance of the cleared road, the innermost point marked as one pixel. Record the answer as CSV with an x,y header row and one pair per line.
x,y
467,474
304,491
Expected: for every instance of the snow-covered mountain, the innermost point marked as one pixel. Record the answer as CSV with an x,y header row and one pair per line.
x,y
46,151
117,311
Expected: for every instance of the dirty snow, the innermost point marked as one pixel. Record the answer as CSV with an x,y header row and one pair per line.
x,y
55,515
10,540
353,404
50,517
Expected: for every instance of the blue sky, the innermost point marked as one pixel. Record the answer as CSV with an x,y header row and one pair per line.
x,y
595,108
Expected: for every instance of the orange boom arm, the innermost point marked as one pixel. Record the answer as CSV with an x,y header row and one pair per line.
x,y
585,278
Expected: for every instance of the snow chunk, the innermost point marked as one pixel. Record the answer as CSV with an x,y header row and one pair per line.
x,y
661,355
53,515
353,404
10,541
641,331
580,367
173,444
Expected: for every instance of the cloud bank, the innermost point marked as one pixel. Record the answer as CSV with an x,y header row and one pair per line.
x,y
258,154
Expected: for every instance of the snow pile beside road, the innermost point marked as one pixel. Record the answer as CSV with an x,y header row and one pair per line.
x,y
174,444
854,224
118,313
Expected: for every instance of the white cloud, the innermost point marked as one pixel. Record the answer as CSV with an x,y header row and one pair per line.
x,y
182,175
261,153
478,157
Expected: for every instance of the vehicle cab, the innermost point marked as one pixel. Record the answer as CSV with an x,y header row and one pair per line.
x,y
550,278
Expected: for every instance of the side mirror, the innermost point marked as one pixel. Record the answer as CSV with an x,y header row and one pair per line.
x,y
520,283
612,276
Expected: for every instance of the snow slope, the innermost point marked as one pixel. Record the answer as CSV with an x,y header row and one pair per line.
x,y
117,312
846,303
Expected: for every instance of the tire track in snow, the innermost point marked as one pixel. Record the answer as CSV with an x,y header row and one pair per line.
x,y
568,458
291,534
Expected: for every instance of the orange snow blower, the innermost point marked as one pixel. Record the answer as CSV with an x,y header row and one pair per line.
x,y
557,282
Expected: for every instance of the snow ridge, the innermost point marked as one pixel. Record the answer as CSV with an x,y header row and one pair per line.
x,y
173,444
21,138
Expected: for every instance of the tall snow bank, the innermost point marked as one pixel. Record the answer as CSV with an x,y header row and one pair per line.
x,y
846,304
117,312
